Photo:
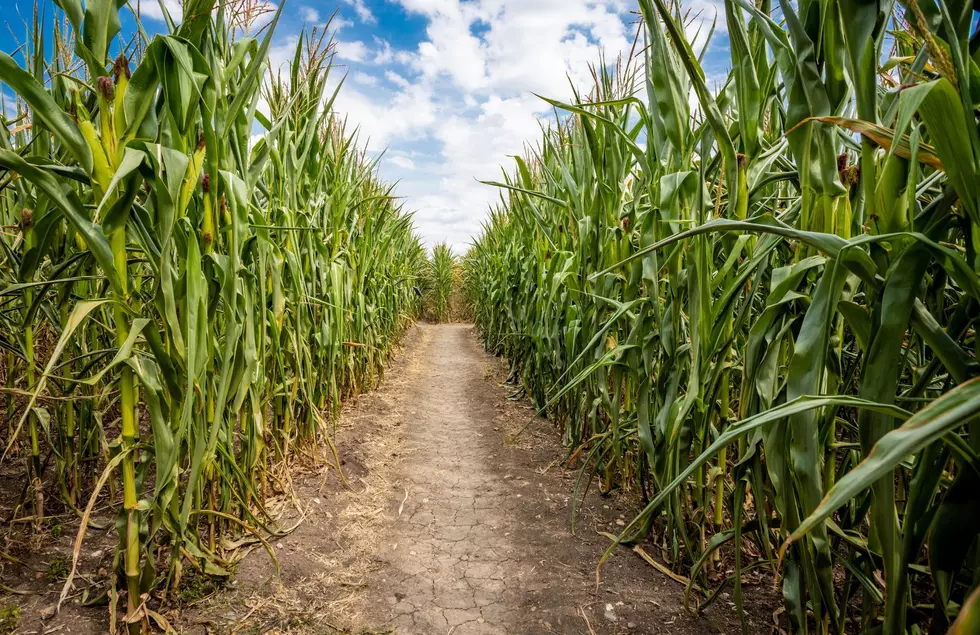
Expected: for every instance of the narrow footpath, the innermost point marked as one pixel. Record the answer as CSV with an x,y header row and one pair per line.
x,y
450,528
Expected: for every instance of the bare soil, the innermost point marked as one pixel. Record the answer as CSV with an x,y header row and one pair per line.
x,y
442,525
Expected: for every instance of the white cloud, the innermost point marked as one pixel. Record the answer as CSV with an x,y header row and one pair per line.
x,y
340,23
282,52
385,116
397,79
354,51
700,15
311,15
385,54
364,79
381,55
261,12
151,9
457,105
363,13
402,161
484,59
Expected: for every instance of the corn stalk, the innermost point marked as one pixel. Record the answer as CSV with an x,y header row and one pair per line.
x,y
186,303
758,313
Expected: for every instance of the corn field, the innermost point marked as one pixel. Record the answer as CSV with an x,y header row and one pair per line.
x,y
754,304
185,302
442,290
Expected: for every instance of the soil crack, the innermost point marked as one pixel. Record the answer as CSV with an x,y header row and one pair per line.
x,y
452,529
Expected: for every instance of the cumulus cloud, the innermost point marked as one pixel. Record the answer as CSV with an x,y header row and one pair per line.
x,y
254,18
354,51
364,79
309,14
480,62
385,54
455,106
339,23
363,13
397,79
402,161
151,9
385,117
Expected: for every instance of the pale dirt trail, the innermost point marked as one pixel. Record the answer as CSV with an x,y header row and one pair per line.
x,y
464,554
450,529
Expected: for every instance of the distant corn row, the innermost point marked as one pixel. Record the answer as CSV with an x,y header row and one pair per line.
x,y
188,288
758,312
440,283
442,287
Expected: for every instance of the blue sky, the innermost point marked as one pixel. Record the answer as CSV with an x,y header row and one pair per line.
x,y
445,86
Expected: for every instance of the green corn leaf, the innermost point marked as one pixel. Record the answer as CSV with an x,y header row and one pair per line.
x,y
944,415
46,111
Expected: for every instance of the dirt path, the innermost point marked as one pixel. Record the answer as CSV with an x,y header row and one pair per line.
x,y
450,529
468,551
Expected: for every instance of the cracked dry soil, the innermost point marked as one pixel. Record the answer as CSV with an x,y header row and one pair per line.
x,y
451,529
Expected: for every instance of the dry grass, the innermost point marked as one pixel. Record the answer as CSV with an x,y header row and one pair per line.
x,y
343,533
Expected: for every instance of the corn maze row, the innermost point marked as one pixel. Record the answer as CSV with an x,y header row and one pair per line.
x,y
754,303
188,287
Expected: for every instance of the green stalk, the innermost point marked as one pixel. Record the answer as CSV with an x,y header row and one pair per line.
x,y
129,432
34,467
724,410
